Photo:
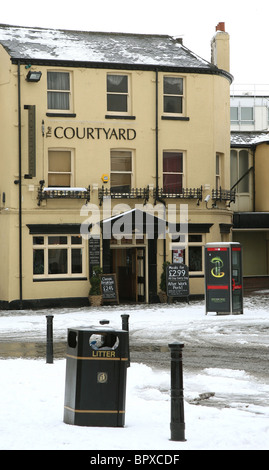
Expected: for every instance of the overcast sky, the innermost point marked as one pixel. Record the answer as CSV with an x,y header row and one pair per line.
x,y
195,21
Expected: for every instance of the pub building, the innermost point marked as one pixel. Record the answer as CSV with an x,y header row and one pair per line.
x,y
109,134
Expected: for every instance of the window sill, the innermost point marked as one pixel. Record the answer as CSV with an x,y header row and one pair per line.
x,y
60,279
175,118
117,116
67,115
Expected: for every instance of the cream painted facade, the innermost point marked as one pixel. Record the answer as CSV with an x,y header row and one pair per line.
x,y
58,167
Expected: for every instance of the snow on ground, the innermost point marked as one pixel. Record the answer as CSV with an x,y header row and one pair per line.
x,y
32,392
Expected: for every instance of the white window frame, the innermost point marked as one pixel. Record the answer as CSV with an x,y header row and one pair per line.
x,y
45,247
127,94
219,170
71,173
60,110
182,96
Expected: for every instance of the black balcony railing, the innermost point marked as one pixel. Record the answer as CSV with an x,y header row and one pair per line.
x,y
123,193
45,193
223,195
184,193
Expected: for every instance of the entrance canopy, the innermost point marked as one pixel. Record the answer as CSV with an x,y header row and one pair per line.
x,y
135,222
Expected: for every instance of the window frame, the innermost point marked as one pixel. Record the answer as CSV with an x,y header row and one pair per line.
x,y
219,170
186,251
127,112
181,173
69,246
238,175
182,96
71,173
69,92
239,118
125,172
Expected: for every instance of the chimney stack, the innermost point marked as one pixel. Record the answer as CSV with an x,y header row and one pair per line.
x,y
220,48
220,26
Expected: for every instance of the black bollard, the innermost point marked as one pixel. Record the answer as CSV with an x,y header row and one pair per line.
x,y
125,322
177,425
49,351
125,326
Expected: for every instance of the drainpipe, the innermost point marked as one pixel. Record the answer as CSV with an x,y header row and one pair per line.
x,y
157,155
19,182
254,185
157,132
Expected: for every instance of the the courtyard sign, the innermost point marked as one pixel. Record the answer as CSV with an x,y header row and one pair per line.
x,y
91,133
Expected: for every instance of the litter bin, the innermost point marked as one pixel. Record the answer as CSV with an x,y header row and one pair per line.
x,y
96,369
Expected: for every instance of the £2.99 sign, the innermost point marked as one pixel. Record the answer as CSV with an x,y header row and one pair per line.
x,y
177,280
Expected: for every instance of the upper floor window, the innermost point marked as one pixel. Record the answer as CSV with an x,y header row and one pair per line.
x,y
234,113
121,171
239,169
59,91
219,170
173,95
59,168
117,93
172,172
242,114
246,113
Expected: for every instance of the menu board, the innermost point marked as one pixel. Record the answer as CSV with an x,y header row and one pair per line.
x,y
177,280
94,252
109,288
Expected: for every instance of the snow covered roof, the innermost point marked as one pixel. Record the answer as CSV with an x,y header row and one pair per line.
x,y
248,139
128,50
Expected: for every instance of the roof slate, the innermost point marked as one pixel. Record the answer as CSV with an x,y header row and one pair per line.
x,y
100,47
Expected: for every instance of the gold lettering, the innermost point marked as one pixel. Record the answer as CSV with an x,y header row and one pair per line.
x,y
103,353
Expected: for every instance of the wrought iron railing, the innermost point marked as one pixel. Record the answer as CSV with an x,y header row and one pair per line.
x,y
131,193
223,195
45,193
185,193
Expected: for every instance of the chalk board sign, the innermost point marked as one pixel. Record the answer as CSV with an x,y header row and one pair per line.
x,y
109,288
177,280
94,252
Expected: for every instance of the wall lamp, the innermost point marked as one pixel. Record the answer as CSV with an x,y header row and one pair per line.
x,y
33,76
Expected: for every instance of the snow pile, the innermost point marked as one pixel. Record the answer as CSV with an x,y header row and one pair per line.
x,y
32,404
224,408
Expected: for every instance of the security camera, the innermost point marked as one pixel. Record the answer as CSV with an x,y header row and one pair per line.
x,y
207,198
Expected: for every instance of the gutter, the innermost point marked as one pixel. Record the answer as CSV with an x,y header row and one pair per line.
x,y
213,70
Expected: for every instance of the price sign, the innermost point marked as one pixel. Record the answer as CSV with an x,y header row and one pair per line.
x,y
177,280
109,288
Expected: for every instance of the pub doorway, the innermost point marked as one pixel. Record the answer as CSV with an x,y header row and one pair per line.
x,y
129,266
